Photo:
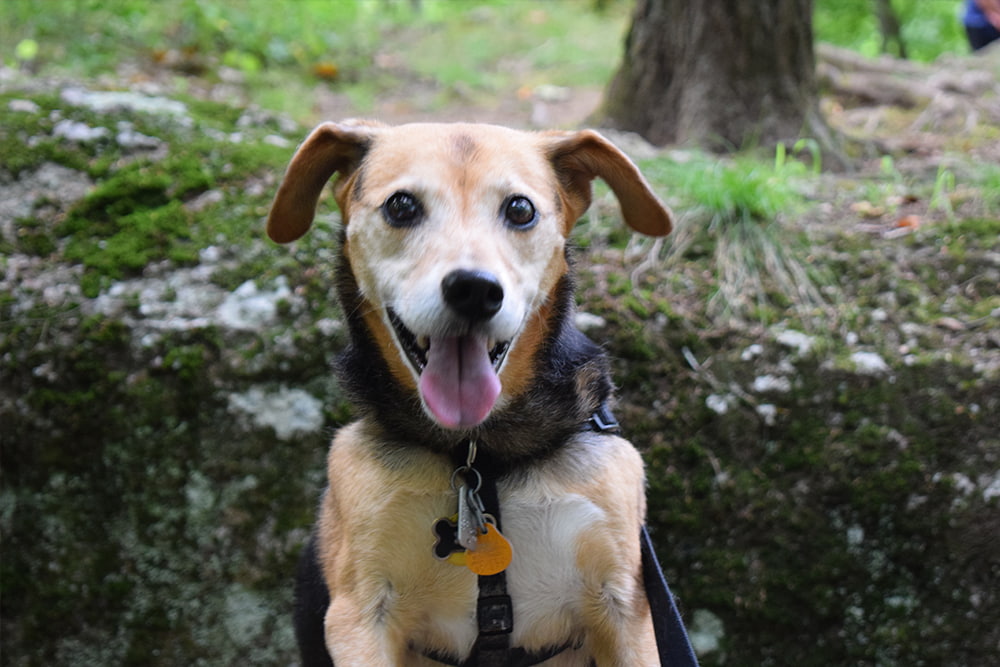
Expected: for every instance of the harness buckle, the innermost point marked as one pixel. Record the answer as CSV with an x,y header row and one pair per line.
x,y
603,420
495,615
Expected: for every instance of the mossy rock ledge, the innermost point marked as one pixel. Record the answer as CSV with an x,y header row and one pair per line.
x,y
817,496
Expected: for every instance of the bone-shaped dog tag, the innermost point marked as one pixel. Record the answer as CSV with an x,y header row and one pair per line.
x,y
446,540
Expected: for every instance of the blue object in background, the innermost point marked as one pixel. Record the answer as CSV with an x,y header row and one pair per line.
x,y
978,28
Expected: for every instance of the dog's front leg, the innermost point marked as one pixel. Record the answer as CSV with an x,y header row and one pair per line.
x,y
620,627
357,635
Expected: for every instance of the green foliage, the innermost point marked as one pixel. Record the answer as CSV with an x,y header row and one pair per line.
x,y
338,45
986,179
929,27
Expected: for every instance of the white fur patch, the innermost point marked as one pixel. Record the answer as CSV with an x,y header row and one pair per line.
x,y
543,578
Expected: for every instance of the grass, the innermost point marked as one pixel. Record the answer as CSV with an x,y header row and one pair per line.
x,y
738,211
313,48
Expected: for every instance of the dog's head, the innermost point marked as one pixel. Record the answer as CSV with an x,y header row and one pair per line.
x,y
456,237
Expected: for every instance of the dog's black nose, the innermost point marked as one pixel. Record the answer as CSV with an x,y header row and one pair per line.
x,y
475,295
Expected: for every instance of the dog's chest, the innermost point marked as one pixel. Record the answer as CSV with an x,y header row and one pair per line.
x,y
544,579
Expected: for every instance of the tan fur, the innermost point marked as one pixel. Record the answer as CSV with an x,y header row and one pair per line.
x,y
572,517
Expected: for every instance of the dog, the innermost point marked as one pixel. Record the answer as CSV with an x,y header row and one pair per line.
x,y
477,401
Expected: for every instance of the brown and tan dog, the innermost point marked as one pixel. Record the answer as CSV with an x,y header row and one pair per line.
x,y
455,280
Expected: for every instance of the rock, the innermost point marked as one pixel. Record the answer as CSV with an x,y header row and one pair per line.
x,y
587,321
72,130
869,363
706,632
250,308
127,137
24,106
720,404
798,341
289,412
768,412
107,101
771,383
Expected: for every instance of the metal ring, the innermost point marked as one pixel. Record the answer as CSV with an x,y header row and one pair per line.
x,y
479,480
455,474
471,458
464,470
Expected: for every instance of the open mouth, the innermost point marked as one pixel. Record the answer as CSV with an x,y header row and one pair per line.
x,y
416,348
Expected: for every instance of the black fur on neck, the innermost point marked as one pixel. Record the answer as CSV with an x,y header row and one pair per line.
x,y
571,381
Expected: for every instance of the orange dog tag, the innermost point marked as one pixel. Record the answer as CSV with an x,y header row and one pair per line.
x,y
492,555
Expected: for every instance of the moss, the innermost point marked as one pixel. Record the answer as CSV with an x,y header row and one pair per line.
x,y
25,140
637,306
33,238
149,506
187,361
823,533
136,213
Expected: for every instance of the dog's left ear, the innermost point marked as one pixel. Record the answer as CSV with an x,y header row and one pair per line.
x,y
580,157
330,148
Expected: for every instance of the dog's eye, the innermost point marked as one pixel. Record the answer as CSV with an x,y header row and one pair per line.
x,y
519,212
402,209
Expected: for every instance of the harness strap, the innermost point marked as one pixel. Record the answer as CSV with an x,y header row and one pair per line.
x,y
516,657
495,612
603,421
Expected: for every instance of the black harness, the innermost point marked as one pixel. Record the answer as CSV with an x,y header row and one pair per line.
x,y
495,613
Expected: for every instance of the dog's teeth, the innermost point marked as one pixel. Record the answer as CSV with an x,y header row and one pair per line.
x,y
423,342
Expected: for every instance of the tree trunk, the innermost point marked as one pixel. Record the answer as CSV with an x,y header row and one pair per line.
x,y
723,73
888,25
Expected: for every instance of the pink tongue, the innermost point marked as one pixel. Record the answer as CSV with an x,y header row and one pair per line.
x,y
459,385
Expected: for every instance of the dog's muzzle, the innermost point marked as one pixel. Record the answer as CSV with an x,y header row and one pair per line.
x,y
458,370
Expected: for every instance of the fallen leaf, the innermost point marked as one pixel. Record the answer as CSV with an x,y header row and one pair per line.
x,y
326,70
867,210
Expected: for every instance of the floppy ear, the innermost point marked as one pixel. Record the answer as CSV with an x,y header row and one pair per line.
x,y
329,149
579,157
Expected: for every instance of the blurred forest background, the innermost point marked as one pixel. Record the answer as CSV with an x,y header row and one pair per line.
x,y
810,363
368,49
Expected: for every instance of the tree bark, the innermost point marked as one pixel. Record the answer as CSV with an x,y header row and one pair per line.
x,y
722,73
888,25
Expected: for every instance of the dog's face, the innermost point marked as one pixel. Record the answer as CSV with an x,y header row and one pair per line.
x,y
456,237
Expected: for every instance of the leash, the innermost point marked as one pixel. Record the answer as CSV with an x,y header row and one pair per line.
x,y
672,641
479,507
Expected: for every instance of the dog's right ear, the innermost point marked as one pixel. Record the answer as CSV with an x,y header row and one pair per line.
x,y
330,148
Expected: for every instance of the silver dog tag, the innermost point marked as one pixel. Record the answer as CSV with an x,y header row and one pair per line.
x,y
468,522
